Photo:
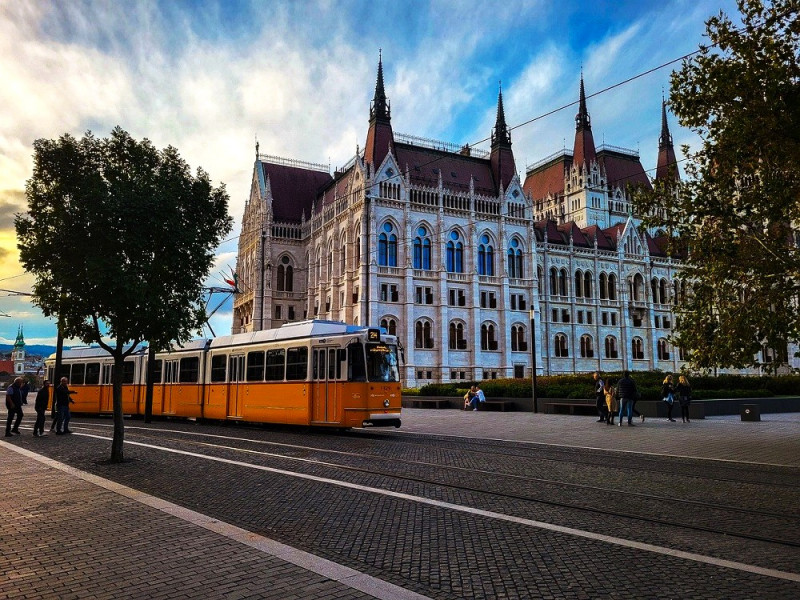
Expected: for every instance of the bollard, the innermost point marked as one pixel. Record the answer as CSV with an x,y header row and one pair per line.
x,y
750,412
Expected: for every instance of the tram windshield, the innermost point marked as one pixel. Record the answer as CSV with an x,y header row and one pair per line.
x,y
382,363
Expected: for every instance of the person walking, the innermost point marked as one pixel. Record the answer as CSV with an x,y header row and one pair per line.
x,y
627,391
40,405
63,401
668,394
684,391
600,397
24,390
14,406
612,402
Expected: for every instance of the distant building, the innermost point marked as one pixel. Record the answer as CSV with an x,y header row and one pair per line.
x,y
444,246
18,353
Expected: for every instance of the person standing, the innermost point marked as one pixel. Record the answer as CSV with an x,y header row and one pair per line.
x,y
600,398
62,405
14,406
626,389
684,391
668,394
612,402
42,398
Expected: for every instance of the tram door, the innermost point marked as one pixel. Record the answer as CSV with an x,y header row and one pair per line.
x,y
107,388
236,378
171,377
326,369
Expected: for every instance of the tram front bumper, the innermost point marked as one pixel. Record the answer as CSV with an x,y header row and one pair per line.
x,y
382,420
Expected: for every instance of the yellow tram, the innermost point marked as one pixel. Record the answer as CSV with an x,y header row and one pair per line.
x,y
317,373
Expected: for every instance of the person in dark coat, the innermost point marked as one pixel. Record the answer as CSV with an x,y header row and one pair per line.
x,y
684,397
14,406
62,402
600,398
627,392
23,391
42,398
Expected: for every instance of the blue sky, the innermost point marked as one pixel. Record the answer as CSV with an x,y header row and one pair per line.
x,y
210,77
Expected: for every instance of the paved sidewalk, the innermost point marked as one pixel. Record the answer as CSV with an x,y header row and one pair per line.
x,y
68,534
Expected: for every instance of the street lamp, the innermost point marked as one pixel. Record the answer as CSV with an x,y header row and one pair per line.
x,y
533,361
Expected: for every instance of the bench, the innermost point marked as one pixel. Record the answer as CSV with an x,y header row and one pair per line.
x,y
411,402
501,405
572,408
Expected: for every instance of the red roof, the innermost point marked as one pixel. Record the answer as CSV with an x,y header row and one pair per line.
x,y
7,366
294,190
623,169
548,179
425,165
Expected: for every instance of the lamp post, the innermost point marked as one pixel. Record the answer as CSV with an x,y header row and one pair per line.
x,y
533,361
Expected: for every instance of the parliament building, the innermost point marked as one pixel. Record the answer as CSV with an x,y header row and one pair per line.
x,y
478,272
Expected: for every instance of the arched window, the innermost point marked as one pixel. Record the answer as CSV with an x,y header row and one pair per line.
x,y
663,349
330,261
281,277
518,342
612,287
562,282
637,348
422,249
587,284
637,287
587,347
553,281
662,289
358,249
603,286
456,339
485,256
389,325
654,289
455,253
343,258
515,260
423,337
578,284
611,347
488,339
560,346
387,246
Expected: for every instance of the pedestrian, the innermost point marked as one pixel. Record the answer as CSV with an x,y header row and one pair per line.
x,y
63,401
684,391
612,402
600,398
23,391
627,391
471,398
481,395
42,398
668,394
14,406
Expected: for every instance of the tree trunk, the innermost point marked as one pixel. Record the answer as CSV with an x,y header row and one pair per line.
x,y
148,396
119,425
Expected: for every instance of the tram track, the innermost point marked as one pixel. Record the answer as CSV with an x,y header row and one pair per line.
x,y
481,474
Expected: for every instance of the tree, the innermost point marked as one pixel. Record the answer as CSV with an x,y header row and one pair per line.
x,y
120,236
738,213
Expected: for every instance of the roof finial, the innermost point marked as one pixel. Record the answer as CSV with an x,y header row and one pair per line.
x,y
256,136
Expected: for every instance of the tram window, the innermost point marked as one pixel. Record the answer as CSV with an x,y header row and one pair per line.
x,y
77,374
64,372
382,363
255,366
356,369
341,356
127,371
158,367
275,364
296,364
332,362
92,373
218,364
189,369
319,364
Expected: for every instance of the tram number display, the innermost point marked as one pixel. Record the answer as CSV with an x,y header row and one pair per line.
x,y
373,335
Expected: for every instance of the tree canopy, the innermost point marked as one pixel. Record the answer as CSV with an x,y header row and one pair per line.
x,y
736,217
120,236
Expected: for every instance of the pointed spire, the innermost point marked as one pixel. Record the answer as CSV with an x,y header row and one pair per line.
x,y
583,151
380,137
667,165
501,134
380,106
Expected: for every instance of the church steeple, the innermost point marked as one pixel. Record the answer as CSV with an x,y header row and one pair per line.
x,y
583,150
501,157
667,166
380,137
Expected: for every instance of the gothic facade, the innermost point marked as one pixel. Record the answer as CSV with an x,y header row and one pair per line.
x,y
478,272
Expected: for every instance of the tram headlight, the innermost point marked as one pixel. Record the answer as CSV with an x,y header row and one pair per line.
x,y
386,403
